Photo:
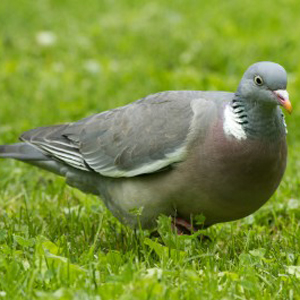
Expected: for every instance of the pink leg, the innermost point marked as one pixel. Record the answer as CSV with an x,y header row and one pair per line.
x,y
182,226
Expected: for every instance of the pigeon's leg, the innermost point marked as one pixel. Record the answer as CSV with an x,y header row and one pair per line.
x,y
179,226
182,226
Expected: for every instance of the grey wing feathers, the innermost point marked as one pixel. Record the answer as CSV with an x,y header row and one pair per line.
x,y
51,141
142,137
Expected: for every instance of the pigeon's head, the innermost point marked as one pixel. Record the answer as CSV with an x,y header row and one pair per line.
x,y
265,83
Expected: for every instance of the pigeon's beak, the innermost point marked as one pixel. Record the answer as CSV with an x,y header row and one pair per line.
x,y
283,98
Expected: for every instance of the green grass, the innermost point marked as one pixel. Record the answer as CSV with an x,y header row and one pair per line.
x,y
57,243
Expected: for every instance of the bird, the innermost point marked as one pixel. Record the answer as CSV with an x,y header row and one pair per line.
x,y
220,155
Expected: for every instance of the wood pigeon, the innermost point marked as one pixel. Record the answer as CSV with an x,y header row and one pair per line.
x,y
178,153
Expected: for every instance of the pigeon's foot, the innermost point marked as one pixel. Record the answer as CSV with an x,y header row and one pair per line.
x,y
182,227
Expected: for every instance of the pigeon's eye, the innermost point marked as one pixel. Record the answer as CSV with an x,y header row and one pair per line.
x,y
258,80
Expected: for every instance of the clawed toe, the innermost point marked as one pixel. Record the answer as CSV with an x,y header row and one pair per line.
x,y
183,227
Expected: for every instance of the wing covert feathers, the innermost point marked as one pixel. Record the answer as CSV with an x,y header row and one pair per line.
x,y
140,138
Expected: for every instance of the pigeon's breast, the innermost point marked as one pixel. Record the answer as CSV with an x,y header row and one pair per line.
x,y
235,177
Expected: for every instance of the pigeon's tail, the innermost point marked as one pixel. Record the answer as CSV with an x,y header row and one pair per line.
x,y
31,155
21,151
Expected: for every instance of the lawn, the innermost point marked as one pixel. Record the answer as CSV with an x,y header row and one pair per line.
x,y
64,60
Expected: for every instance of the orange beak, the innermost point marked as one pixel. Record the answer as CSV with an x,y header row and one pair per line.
x,y
283,98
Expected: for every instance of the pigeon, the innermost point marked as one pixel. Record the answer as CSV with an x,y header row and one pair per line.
x,y
220,155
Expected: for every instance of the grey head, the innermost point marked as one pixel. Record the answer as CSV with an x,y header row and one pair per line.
x,y
264,83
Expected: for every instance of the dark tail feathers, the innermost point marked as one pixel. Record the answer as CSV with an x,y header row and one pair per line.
x,y
21,151
29,154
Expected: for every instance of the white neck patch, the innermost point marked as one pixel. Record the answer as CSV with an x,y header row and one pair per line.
x,y
231,125
284,123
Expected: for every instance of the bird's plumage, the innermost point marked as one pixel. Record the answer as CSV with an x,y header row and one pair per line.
x,y
180,152
140,138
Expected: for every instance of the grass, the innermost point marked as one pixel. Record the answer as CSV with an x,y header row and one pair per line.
x,y
57,243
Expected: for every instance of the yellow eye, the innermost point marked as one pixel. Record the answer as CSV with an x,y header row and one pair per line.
x,y
258,80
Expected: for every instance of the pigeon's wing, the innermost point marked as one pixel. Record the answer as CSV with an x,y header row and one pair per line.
x,y
140,138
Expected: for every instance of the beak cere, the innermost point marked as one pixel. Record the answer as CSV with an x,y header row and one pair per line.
x,y
283,98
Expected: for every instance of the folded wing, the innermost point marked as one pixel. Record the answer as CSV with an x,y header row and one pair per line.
x,y
140,138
